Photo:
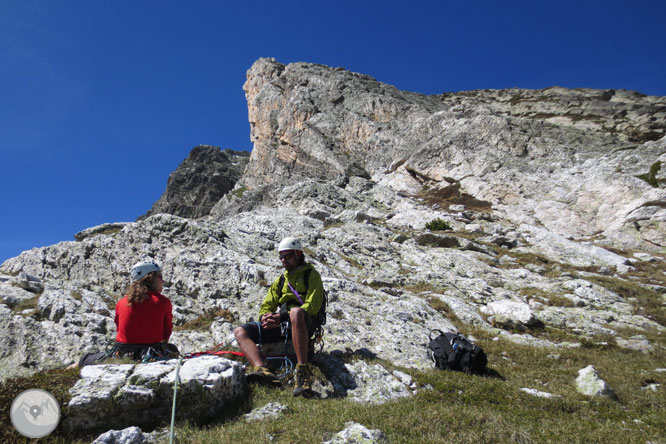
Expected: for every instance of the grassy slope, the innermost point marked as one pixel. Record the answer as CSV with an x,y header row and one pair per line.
x,y
458,408
464,408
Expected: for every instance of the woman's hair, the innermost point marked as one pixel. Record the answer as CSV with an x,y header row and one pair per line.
x,y
138,290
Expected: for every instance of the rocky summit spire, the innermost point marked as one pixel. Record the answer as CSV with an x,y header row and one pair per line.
x,y
200,181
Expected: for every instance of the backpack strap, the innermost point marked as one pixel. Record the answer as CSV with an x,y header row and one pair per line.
x,y
280,285
433,331
306,278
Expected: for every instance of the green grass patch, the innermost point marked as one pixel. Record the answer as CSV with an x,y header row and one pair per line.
x,y
380,284
422,287
443,308
646,302
27,304
239,192
651,176
435,241
30,307
452,195
351,261
334,224
653,273
549,298
550,268
457,408
110,231
438,225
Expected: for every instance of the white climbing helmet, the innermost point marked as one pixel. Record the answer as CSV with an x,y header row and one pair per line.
x,y
140,269
290,243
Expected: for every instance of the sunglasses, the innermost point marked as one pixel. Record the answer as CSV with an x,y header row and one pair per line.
x,y
286,257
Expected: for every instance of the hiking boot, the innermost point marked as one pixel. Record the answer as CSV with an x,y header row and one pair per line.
x,y
261,375
303,376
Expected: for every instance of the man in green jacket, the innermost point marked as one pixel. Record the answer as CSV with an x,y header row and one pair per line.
x,y
289,311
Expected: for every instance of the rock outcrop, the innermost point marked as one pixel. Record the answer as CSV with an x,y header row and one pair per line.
x,y
545,200
200,181
118,396
355,433
567,160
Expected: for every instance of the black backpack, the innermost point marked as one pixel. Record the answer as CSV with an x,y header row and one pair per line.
x,y
452,351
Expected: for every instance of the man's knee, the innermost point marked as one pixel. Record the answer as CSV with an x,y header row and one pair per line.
x,y
297,315
240,333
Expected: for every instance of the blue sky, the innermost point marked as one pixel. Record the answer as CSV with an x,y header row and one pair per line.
x,y
100,100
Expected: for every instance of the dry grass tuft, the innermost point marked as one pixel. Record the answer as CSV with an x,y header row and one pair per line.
x,y
203,322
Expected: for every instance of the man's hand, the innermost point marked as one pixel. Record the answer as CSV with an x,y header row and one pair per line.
x,y
270,320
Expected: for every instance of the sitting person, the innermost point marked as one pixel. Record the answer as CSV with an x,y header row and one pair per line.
x,y
290,305
144,319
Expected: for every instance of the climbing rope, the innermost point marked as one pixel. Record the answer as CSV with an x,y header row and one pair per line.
x,y
175,392
286,367
217,350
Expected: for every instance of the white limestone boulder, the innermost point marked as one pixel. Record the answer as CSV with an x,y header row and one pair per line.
x,y
129,435
118,396
355,433
510,314
272,410
589,383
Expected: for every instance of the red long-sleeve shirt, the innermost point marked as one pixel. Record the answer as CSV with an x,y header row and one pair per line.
x,y
147,322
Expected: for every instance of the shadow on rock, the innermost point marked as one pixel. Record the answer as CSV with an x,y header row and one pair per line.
x,y
333,366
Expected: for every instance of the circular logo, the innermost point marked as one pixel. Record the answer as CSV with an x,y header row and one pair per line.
x,y
35,413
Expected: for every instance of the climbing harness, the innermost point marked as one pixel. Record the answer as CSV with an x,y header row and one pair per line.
x,y
142,353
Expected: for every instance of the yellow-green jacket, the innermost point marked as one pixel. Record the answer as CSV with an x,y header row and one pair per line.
x,y
311,301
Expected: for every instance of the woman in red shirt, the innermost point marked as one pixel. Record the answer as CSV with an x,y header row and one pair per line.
x,y
144,316
144,319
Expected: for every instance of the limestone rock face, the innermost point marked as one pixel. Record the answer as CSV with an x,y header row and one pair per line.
x,y
564,159
200,181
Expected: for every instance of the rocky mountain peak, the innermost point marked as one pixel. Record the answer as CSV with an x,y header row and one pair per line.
x,y
571,160
200,181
